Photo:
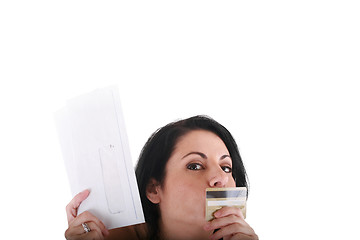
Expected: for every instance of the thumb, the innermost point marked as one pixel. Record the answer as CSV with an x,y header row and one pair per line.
x,y
72,207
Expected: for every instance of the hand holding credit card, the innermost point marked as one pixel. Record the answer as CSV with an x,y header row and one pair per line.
x,y
216,198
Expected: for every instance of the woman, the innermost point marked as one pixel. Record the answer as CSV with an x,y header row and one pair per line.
x,y
176,165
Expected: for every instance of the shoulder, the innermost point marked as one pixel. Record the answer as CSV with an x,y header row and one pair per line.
x,y
134,232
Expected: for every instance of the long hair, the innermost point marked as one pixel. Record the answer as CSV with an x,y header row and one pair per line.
x,y
157,151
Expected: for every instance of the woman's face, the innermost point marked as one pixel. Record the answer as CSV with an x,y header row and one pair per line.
x,y
200,160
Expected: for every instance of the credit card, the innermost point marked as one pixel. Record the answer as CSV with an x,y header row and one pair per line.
x,y
216,198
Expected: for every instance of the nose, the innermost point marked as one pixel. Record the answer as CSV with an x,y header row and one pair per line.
x,y
218,178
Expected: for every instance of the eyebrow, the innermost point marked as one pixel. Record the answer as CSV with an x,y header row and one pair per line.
x,y
197,153
204,156
225,156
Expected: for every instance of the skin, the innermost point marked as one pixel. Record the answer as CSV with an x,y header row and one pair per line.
x,y
200,160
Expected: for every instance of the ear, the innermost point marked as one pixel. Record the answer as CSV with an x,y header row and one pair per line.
x,y
153,191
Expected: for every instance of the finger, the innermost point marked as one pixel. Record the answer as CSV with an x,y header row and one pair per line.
x,y
86,217
78,232
93,228
232,220
72,207
240,236
231,230
71,235
224,221
93,235
226,211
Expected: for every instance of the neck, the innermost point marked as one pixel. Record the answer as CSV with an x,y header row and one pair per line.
x,y
182,231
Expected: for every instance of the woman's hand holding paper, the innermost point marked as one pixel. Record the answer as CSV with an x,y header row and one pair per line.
x,y
85,225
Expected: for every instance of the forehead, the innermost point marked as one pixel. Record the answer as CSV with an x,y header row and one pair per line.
x,y
200,140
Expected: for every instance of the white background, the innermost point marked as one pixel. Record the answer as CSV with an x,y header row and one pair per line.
x,y
282,76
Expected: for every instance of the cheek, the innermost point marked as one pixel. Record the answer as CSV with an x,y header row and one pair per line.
x,y
185,190
184,198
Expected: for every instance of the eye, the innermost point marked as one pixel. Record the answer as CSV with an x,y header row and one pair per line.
x,y
194,166
226,169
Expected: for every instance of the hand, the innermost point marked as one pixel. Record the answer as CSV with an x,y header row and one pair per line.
x,y
76,230
231,224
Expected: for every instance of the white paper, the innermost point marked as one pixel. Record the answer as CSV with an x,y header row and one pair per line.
x,y
97,157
